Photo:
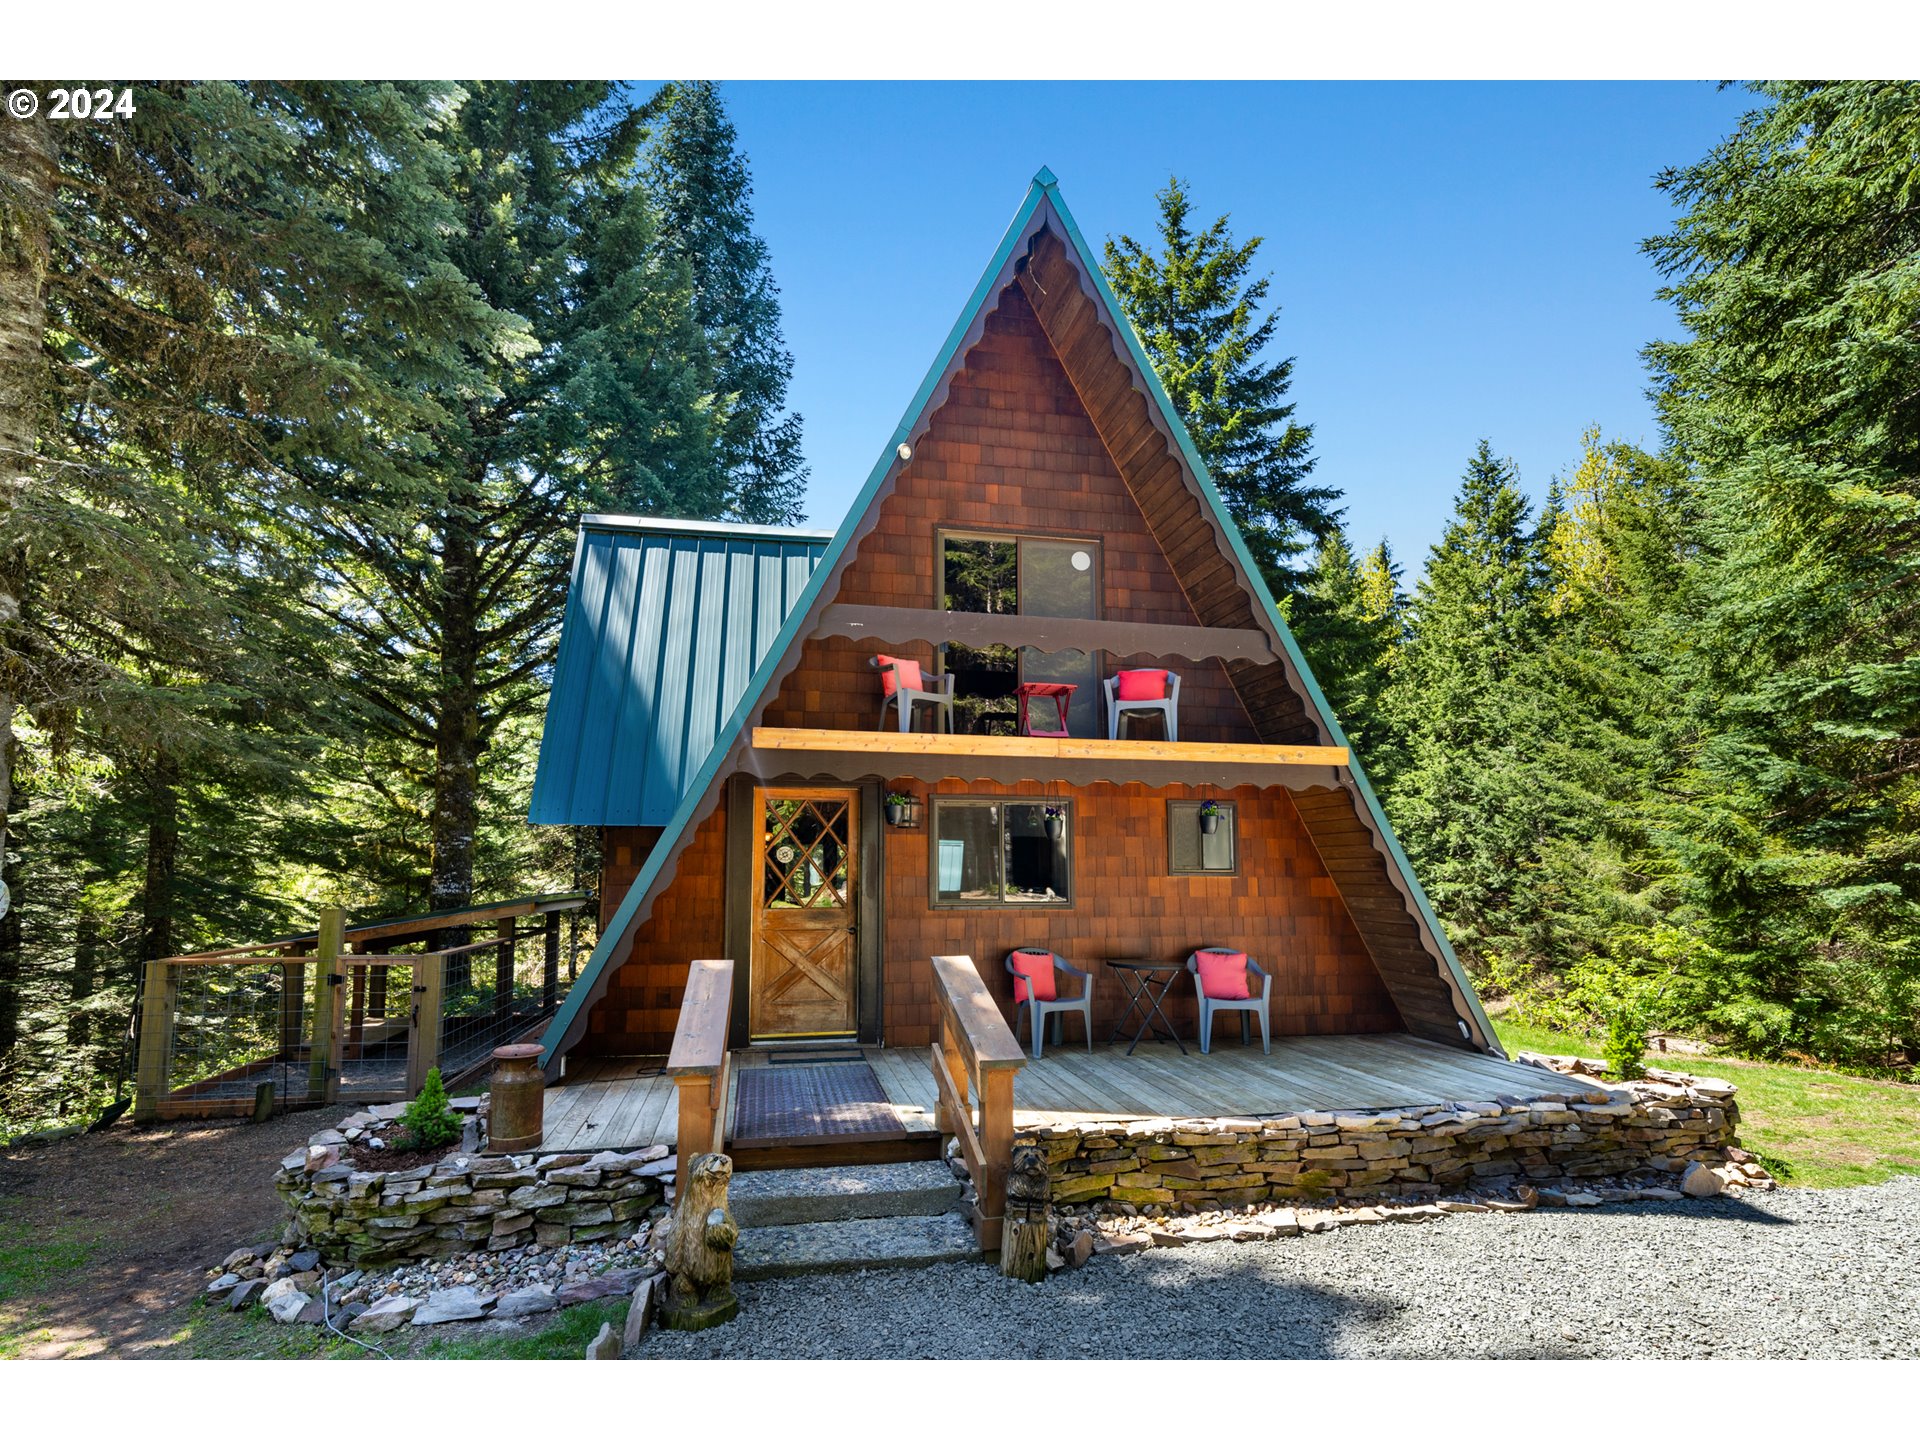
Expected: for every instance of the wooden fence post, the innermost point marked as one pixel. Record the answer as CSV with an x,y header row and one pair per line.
x,y
156,1038
329,1008
550,973
503,972
996,1146
423,1028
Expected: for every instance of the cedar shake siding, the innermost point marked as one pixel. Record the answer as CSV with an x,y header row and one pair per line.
x,y
1281,908
1011,451
688,923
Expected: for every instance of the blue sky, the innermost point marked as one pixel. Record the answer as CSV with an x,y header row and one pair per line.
x,y
1452,260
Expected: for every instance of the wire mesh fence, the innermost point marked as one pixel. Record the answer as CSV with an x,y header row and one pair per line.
x,y
235,1025
506,990
379,1030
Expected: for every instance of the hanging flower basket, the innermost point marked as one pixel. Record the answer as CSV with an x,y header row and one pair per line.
x,y
899,809
1056,822
1209,817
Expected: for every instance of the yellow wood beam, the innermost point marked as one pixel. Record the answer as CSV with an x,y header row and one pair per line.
x,y
892,742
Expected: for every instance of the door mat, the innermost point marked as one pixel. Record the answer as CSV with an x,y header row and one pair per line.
x,y
808,1104
851,1056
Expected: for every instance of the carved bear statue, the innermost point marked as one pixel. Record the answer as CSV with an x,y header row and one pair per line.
x,y
700,1250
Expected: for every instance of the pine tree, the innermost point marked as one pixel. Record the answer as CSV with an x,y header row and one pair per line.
x,y
1197,309
699,179
451,585
1469,804
1795,268
237,278
1350,630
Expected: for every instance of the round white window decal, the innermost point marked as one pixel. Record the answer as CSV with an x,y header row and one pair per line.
x,y
1082,560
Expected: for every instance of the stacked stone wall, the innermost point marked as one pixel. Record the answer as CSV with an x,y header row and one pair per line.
x,y
1419,1151
463,1201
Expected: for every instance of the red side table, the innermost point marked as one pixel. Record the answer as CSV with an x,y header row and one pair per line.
x,y
1060,694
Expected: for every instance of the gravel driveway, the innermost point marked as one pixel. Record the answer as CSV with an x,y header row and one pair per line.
x,y
1791,1274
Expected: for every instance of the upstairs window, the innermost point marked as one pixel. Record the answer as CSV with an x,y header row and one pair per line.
x,y
1016,853
983,574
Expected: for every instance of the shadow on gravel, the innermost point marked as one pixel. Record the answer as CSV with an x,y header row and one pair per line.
x,y
1233,1308
1721,1207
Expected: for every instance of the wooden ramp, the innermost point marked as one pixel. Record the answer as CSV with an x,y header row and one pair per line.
x,y
628,1103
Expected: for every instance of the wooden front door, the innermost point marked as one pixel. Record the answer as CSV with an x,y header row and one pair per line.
x,y
804,930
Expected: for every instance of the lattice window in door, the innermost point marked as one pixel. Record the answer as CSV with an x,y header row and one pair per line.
x,y
806,863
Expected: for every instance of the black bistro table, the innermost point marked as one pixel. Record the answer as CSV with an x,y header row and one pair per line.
x,y
1147,983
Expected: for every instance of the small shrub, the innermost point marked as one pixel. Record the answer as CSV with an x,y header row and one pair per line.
x,y
429,1119
1624,1047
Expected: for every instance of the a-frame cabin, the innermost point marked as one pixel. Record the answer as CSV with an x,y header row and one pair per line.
x,y
1040,516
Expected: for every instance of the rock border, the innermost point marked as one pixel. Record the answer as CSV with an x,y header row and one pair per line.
x,y
467,1201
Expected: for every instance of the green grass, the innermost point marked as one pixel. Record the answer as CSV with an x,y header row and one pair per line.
x,y
31,1263
564,1338
211,1333
1809,1127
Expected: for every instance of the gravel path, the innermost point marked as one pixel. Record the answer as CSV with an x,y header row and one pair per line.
x,y
1791,1274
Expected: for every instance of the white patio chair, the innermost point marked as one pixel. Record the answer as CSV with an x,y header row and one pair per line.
x,y
1037,1010
1168,709
1209,1007
905,697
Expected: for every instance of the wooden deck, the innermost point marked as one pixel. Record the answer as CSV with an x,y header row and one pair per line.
x,y
629,1103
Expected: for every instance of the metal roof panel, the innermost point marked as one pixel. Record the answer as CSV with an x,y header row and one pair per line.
x,y
666,622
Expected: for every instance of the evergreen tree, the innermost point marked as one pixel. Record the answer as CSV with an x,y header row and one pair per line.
x,y
1381,598
1469,803
236,278
1795,268
1197,309
699,179
451,586
1349,630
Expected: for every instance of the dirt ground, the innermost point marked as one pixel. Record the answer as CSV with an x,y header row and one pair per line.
x,y
133,1217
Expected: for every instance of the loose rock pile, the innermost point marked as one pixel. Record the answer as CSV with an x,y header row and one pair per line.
x,y
462,1202
1665,1127
510,1284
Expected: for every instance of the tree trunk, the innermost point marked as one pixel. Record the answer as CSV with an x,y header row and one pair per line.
x,y
86,966
456,775
12,946
163,853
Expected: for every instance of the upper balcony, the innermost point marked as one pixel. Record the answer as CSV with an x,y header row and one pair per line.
x,y
977,662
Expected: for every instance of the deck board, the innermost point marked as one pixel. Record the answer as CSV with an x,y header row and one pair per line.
x,y
627,1104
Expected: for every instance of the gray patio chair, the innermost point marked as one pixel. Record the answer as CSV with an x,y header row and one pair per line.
x,y
1037,1010
1209,1007
906,697
1168,709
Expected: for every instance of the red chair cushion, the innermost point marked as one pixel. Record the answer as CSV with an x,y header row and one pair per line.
x,y
1224,976
895,673
1142,685
1035,968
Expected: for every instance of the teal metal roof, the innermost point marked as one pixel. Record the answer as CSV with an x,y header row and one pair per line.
x,y
666,622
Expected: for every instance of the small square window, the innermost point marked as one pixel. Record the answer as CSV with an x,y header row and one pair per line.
x,y
1194,848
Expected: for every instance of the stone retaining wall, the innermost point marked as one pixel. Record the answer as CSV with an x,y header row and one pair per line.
x,y
1658,1125
464,1201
